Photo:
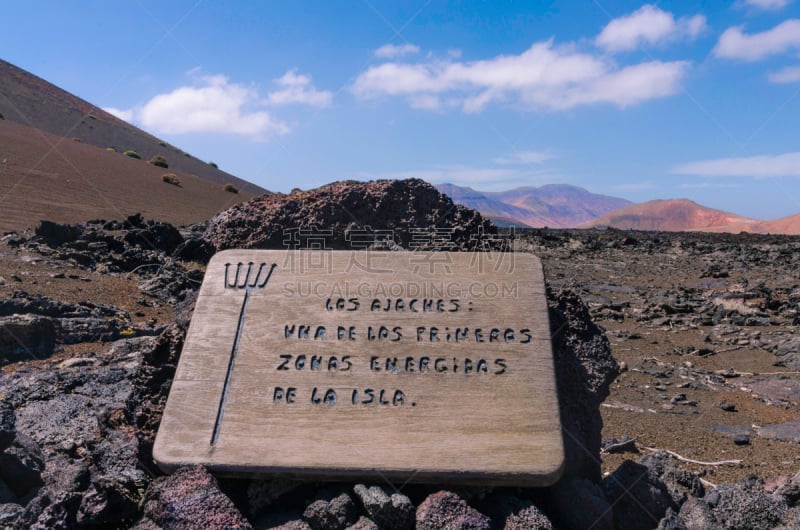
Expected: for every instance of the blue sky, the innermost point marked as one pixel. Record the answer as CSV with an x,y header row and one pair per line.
x,y
642,101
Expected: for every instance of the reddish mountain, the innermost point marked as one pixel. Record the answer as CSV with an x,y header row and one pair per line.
x,y
553,205
674,215
32,101
785,225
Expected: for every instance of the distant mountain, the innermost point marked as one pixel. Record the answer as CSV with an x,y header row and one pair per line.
x,y
495,209
785,225
674,215
32,101
553,205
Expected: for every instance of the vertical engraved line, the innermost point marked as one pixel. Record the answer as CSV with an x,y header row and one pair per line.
x,y
269,275
223,398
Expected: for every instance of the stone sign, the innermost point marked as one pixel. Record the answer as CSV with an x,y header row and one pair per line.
x,y
420,366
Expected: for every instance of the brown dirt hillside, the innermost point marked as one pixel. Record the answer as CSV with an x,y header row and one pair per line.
x,y
673,215
32,101
43,176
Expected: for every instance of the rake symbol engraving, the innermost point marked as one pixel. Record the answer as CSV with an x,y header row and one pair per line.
x,y
245,281
239,282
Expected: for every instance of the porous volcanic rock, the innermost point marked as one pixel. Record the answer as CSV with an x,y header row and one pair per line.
x,y
512,513
530,518
444,510
7,426
331,512
639,497
584,369
80,427
189,499
393,512
739,506
26,337
327,215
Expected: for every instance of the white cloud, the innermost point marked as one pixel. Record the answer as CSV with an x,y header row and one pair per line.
x,y
735,44
425,102
648,25
542,77
785,165
125,115
220,106
525,158
692,27
213,104
790,74
389,51
768,4
298,89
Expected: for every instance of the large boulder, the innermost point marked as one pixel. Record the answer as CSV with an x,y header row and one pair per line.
x,y
585,370
340,215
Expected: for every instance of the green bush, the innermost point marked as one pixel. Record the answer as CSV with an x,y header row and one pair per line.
x,y
171,178
230,188
1,116
111,149
162,144
159,161
214,165
133,154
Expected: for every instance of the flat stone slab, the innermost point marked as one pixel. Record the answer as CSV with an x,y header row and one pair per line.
x,y
418,366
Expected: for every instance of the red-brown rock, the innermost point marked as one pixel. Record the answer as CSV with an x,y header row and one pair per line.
x,y
327,215
189,499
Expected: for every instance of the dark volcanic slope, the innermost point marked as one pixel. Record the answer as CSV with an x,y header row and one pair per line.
x,y
43,176
32,101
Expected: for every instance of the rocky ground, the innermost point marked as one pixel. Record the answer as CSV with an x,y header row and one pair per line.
x,y
699,356
706,326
